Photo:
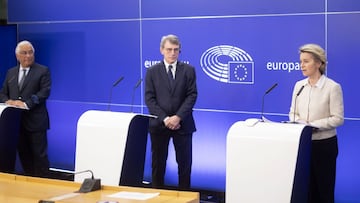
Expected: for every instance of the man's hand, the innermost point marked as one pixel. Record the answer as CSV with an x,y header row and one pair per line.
x,y
17,103
173,122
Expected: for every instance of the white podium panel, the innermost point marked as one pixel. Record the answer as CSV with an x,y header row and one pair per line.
x,y
267,162
112,145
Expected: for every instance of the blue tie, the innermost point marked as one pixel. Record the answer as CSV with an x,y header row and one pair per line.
x,y
171,76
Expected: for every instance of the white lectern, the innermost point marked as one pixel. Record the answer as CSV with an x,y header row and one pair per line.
x,y
267,162
9,133
113,146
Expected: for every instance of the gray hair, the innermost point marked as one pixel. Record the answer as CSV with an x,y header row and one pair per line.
x,y
317,52
17,49
173,39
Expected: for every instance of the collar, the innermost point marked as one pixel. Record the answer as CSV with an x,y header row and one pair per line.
x,y
173,64
22,68
319,84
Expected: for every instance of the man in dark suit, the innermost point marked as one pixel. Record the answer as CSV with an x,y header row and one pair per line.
x,y
27,86
170,94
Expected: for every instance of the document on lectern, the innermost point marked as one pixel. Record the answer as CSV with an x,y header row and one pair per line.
x,y
134,195
264,119
7,105
301,123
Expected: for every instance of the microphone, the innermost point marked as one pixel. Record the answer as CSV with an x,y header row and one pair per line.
x,y
133,93
114,85
119,80
138,83
271,88
267,92
297,94
89,184
301,89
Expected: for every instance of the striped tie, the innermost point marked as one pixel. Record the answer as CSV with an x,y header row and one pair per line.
x,y
22,79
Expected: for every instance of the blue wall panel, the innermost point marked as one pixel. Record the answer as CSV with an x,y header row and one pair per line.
x,y
60,10
265,39
188,8
343,6
8,40
343,50
88,45
348,167
85,60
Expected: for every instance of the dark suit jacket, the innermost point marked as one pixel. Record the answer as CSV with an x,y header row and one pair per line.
x,y
163,101
35,91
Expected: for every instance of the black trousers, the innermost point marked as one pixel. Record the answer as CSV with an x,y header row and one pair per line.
x,y
323,170
183,151
32,149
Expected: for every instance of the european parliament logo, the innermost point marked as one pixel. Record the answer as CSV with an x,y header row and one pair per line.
x,y
228,64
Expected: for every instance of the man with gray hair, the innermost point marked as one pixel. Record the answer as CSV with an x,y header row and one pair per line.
x,y
27,86
170,94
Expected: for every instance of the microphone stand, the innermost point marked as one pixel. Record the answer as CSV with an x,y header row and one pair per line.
x,y
262,109
294,110
298,93
133,94
262,106
110,98
111,90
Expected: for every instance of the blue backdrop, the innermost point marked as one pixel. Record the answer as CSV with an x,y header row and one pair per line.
x,y
8,39
239,49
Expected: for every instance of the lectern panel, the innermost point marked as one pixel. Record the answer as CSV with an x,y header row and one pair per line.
x,y
112,145
261,162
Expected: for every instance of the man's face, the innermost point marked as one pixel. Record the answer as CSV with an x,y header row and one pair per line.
x,y
25,56
170,52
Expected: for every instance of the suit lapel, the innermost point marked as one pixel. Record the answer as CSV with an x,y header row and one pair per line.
x,y
178,73
164,76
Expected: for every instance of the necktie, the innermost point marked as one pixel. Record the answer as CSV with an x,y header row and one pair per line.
x,y
22,79
171,76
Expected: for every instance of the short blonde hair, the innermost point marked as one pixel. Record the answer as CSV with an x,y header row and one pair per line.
x,y
318,53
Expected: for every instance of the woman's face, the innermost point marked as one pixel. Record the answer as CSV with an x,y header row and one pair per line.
x,y
309,66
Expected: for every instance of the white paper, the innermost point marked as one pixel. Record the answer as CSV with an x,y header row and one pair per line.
x,y
65,196
134,195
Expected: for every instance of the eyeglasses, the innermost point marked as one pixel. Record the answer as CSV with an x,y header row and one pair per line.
x,y
176,50
31,52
